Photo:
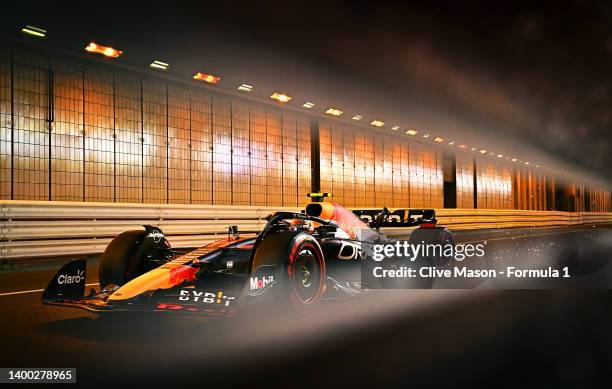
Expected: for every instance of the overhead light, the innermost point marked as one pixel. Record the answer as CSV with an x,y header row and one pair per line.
x,y
281,97
526,162
538,166
490,153
357,117
308,105
395,128
451,143
377,123
412,132
462,146
473,149
245,87
437,139
106,51
483,151
426,136
164,66
500,155
34,31
333,111
209,78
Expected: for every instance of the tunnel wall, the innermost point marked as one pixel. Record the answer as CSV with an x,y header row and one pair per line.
x,y
120,137
366,169
464,180
74,130
530,189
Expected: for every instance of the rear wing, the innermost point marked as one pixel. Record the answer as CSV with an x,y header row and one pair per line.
x,y
398,218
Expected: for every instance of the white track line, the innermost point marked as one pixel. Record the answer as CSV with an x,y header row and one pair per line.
x,y
32,291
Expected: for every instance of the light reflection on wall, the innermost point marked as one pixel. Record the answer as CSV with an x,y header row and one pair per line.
x,y
117,137
530,191
366,169
465,180
494,185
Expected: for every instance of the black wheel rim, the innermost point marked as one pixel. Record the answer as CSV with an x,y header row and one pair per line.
x,y
306,280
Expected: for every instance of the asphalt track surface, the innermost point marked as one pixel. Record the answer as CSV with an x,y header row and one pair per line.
x,y
390,338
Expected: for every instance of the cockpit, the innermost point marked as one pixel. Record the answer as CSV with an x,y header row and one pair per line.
x,y
346,220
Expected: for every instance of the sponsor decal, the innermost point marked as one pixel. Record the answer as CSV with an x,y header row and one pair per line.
x,y
157,236
196,296
350,250
180,274
258,283
65,279
191,308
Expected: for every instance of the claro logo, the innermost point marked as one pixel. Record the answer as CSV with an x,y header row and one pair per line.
x,y
65,279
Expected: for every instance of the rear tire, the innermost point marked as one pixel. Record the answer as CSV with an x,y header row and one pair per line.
x,y
439,235
118,258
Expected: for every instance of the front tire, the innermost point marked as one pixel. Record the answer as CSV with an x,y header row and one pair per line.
x,y
299,268
118,259
305,272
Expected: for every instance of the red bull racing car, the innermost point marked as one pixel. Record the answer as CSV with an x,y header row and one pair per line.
x,y
299,259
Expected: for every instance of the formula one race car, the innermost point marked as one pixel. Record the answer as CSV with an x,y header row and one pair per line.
x,y
299,259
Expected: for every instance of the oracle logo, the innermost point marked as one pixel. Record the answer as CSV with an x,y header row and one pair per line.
x,y
350,250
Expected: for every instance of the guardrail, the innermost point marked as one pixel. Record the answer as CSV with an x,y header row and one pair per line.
x,y
30,229
508,218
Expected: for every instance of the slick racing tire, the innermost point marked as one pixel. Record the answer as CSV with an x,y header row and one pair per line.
x,y
118,259
299,269
427,236
305,276
439,235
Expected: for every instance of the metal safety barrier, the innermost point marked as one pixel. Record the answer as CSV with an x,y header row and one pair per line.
x,y
30,229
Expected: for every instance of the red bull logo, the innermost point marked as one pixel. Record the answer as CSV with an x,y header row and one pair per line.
x,y
180,274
